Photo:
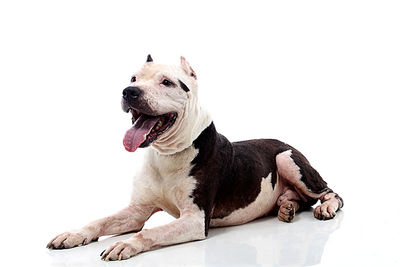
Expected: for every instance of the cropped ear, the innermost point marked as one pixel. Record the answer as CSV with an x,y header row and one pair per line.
x,y
187,68
149,59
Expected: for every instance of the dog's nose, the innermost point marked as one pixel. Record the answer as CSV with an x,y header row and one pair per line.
x,y
131,92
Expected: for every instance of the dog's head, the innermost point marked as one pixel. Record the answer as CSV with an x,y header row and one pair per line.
x,y
163,102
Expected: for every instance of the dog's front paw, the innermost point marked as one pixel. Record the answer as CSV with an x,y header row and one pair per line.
x,y
121,250
71,239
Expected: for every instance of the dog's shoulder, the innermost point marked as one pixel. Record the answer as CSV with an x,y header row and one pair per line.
x,y
214,150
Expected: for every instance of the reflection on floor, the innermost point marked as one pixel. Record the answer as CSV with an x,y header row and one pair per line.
x,y
266,241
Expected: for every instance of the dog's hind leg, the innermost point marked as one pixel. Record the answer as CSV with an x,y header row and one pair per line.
x,y
288,205
295,170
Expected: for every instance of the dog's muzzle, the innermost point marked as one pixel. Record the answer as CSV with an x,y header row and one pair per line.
x,y
148,125
132,97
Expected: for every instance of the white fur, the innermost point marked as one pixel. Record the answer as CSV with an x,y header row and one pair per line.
x,y
164,180
261,206
191,118
164,183
329,205
129,219
287,195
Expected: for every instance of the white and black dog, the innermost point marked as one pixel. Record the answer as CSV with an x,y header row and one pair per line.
x,y
197,175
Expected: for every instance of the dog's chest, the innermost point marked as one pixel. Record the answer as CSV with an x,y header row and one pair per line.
x,y
172,183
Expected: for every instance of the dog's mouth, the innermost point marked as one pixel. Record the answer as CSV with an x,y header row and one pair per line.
x,y
146,129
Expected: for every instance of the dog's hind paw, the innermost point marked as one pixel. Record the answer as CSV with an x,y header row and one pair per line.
x,y
331,202
287,211
325,211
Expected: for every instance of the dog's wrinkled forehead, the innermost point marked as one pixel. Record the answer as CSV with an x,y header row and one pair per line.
x,y
163,88
151,71
181,75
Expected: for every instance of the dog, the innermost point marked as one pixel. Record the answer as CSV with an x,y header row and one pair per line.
x,y
195,174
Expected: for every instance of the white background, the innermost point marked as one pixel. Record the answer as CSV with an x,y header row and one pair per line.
x,y
322,76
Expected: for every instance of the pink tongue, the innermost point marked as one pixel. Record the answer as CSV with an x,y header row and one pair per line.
x,y
136,135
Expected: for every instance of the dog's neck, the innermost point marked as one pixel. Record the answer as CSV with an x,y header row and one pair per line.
x,y
192,123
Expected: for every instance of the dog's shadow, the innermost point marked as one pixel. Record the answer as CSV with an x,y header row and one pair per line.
x,y
265,241
269,241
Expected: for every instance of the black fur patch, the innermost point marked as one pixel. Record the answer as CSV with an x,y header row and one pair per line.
x,y
149,58
309,175
229,175
183,86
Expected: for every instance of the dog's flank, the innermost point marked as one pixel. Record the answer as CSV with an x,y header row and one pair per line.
x,y
231,178
197,175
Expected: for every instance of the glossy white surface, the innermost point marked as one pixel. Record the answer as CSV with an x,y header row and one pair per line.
x,y
262,242
348,240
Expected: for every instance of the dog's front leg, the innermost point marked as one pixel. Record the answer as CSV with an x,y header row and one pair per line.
x,y
129,219
188,227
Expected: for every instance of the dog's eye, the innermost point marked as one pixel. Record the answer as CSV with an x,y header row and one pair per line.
x,y
167,83
133,79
